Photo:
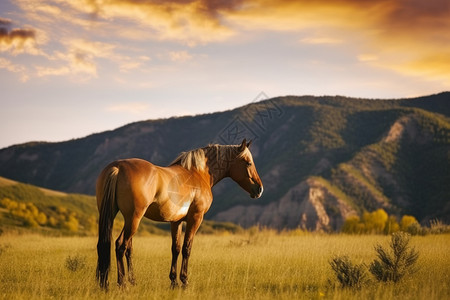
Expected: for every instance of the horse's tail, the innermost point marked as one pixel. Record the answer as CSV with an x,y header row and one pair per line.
x,y
107,212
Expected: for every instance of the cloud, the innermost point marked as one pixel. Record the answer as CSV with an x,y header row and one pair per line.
x,y
5,22
82,57
388,29
180,56
49,71
79,58
406,36
434,66
321,41
8,65
367,57
190,22
17,40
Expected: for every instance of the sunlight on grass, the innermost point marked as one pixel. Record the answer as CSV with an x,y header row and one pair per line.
x,y
262,265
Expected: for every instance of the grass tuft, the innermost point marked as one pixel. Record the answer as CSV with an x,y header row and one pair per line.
x,y
75,263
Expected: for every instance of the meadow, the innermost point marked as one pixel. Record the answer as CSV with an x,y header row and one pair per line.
x,y
251,265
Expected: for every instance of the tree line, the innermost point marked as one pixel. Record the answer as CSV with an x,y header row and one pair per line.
x,y
379,222
57,217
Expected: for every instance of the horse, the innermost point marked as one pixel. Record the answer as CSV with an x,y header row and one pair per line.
x,y
180,192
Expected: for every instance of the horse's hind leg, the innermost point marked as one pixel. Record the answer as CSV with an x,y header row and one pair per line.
x,y
128,254
123,246
120,249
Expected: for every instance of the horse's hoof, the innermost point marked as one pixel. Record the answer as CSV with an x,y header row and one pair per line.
x,y
173,285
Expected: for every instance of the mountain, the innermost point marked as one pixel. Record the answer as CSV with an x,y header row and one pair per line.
x,y
321,159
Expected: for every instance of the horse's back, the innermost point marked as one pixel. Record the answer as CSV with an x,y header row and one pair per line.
x,y
127,169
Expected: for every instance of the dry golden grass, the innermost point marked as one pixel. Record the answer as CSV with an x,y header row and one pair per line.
x,y
262,265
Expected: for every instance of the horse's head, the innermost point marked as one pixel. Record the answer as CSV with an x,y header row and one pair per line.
x,y
243,171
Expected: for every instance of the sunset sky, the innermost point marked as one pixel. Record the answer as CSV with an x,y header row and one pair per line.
x,y
69,68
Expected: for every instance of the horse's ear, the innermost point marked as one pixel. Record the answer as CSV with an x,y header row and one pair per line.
x,y
243,145
249,143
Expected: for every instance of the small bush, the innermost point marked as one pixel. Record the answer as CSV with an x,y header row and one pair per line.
x,y
75,263
438,227
410,224
391,225
71,224
347,273
395,264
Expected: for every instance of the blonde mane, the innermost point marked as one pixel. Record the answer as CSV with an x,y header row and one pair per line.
x,y
194,159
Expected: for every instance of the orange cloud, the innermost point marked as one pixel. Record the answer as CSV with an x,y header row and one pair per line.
x,y
17,40
190,22
434,66
407,36
5,22
81,58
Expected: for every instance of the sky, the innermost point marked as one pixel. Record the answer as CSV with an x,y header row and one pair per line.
x,y
70,68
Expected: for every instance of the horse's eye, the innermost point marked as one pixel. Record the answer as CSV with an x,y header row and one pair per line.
x,y
249,164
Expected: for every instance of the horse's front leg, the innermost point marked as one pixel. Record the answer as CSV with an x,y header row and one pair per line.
x,y
192,224
176,248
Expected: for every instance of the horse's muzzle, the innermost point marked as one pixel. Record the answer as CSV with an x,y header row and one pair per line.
x,y
256,191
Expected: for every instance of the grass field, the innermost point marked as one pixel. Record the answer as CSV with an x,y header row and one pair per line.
x,y
262,265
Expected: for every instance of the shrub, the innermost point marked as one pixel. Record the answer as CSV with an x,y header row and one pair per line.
x,y
438,227
391,225
8,204
41,218
71,224
352,225
395,264
348,274
29,221
375,221
75,263
409,224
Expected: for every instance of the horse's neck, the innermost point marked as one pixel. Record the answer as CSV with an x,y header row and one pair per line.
x,y
219,160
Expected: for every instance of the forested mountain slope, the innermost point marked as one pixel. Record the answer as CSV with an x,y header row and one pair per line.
x,y
321,159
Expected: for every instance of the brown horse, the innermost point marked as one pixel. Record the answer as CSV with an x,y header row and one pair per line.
x,y
177,193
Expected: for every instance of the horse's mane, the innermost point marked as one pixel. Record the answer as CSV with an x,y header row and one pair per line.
x,y
191,159
213,152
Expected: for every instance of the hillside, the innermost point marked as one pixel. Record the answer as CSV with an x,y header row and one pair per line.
x,y
25,208
321,159
28,208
